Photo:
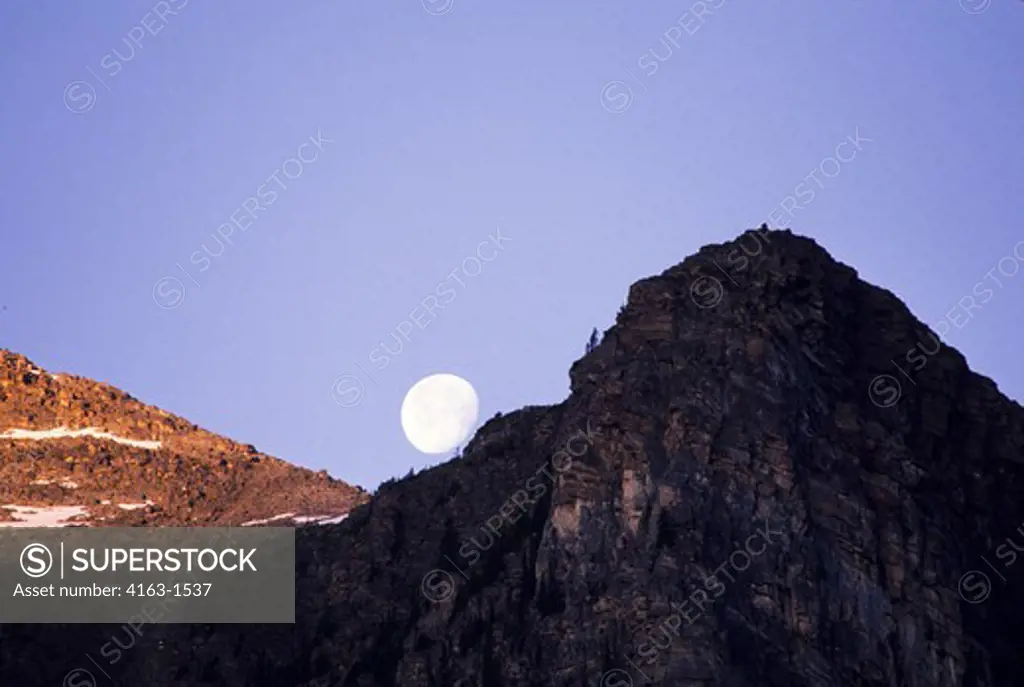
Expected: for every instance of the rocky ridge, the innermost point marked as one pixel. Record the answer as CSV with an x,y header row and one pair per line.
x,y
85,447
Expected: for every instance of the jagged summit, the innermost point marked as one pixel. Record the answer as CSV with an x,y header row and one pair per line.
x,y
750,484
76,451
770,279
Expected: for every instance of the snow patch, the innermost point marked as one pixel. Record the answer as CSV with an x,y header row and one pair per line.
x,y
303,519
67,484
42,516
264,521
127,506
320,519
64,432
332,521
299,519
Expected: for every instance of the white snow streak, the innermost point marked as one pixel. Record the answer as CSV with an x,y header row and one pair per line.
x,y
127,506
303,519
67,484
264,521
134,506
42,516
64,432
332,521
300,519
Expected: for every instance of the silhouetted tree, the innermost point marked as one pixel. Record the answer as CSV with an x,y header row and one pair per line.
x,y
592,344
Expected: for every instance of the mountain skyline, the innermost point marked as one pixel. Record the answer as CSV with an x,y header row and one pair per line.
x,y
320,170
540,344
707,290
738,490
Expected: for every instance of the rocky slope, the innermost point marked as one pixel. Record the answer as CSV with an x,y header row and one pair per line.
x,y
84,452
736,493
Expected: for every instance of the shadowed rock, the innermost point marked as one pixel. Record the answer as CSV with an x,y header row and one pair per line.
x,y
741,490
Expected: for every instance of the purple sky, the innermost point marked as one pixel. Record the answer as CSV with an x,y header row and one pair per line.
x,y
134,130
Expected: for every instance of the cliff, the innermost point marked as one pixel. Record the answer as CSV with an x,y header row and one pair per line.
x,y
741,490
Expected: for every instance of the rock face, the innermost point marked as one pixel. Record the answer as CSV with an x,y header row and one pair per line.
x,y
71,445
740,491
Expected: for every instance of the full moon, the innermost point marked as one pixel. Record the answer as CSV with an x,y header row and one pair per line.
x,y
439,412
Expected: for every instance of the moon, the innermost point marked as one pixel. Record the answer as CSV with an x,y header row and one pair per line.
x,y
439,412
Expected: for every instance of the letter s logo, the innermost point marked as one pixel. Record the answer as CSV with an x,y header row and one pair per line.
x,y
36,560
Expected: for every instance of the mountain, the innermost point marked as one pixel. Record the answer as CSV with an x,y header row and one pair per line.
x,y
78,452
740,490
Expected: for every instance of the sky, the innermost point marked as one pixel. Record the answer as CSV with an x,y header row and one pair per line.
x,y
523,163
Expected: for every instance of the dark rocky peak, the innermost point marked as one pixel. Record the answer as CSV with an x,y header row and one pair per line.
x,y
750,485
